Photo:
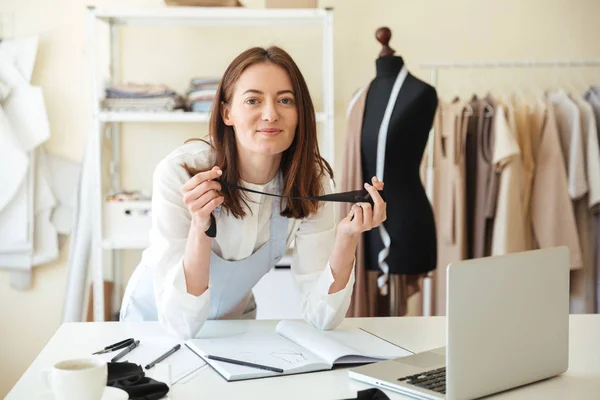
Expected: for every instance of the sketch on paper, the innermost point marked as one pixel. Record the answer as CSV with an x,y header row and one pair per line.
x,y
291,356
288,355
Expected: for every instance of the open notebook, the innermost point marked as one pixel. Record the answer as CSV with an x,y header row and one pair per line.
x,y
296,347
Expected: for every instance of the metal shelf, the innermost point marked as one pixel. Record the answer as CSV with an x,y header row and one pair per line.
x,y
148,116
211,16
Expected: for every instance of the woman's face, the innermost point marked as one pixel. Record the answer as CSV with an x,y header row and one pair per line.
x,y
262,110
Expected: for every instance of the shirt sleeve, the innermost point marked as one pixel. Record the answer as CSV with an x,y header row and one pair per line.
x,y
179,312
312,273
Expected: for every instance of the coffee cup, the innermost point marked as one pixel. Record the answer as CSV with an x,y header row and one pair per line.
x,y
77,379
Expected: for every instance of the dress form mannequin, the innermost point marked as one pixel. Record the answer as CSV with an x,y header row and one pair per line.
x,y
410,226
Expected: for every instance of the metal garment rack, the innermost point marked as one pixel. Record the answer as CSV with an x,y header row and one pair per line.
x,y
434,67
101,119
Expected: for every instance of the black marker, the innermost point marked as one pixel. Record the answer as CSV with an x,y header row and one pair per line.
x,y
161,358
124,352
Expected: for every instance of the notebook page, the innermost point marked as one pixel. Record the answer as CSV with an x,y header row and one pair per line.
x,y
259,348
313,340
365,344
340,345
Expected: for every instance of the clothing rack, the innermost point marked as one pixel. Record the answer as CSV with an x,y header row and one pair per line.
x,y
434,67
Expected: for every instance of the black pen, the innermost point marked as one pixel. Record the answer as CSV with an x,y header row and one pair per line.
x,y
167,354
125,351
244,363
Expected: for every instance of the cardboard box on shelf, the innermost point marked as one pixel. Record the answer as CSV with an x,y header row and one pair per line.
x,y
204,3
291,3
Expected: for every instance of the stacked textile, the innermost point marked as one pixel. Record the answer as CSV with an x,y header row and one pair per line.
x,y
141,97
201,93
128,196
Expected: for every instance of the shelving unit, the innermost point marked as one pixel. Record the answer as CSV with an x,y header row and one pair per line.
x,y
102,119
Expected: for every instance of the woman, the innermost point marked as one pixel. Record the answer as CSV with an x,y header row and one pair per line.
x,y
263,137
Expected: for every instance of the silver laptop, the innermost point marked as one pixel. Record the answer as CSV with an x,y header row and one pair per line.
x,y
507,325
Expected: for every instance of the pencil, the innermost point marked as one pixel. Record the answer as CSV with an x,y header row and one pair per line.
x,y
245,363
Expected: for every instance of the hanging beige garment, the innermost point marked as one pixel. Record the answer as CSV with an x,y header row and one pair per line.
x,y
552,215
509,231
450,126
351,180
523,129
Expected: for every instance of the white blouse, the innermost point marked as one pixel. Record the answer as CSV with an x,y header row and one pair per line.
x,y
184,314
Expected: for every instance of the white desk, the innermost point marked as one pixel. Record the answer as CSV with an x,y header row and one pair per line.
x,y
582,381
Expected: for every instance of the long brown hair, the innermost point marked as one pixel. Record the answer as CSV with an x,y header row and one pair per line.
x,y
301,165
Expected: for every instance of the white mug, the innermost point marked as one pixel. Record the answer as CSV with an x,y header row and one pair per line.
x,y
78,379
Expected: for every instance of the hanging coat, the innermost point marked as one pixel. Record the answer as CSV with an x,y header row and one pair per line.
x,y
449,195
13,158
549,193
25,240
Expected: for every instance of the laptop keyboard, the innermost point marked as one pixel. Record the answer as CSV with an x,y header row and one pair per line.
x,y
433,380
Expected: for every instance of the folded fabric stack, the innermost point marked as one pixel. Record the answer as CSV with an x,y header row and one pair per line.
x,y
201,93
142,97
128,196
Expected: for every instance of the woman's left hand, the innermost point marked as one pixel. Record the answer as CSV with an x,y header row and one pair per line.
x,y
364,217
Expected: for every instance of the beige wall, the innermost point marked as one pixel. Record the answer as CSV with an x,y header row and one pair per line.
x,y
422,31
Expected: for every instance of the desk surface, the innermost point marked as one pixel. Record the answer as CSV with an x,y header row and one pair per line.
x,y
581,381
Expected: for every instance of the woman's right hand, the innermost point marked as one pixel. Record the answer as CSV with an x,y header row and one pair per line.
x,y
201,197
